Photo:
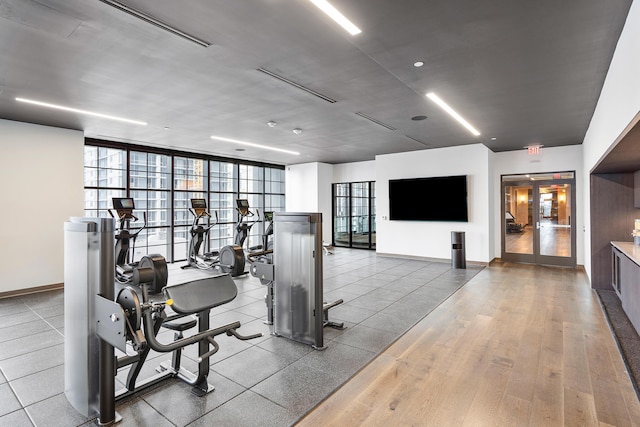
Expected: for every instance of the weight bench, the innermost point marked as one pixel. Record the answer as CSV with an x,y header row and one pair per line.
x,y
197,298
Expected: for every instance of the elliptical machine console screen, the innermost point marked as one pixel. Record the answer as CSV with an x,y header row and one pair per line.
x,y
243,206
198,203
121,203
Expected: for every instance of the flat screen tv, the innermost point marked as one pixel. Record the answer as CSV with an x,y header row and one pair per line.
x,y
442,198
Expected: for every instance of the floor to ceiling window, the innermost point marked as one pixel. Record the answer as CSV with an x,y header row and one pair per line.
x,y
105,177
150,187
162,184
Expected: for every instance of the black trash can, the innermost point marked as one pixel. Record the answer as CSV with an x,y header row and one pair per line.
x,y
458,257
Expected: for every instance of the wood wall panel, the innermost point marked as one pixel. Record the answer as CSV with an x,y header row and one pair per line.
x,y
612,219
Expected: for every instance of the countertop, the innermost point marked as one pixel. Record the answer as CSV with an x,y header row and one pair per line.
x,y
629,249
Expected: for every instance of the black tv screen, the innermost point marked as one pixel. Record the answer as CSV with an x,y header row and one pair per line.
x,y
442,198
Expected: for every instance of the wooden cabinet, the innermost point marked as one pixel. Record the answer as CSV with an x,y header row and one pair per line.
x,y
626,282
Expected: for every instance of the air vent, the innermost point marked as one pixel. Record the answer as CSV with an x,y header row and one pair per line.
x,y
297,85
378,122
151,20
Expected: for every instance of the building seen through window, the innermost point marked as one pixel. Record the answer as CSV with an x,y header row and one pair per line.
x,y
162,185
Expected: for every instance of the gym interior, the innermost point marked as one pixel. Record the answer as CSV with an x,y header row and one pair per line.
x,y
168,276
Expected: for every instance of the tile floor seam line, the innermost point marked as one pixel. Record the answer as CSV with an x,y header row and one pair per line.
x,y
15,395
11,314
24,354
142,398
47,322
32,373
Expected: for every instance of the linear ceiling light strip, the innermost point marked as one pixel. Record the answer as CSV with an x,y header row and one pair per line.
x,y
337,16
76,110
151,20
378,122
253,144
435,98
297,85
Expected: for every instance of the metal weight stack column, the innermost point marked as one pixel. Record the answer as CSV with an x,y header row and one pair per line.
x,y
88,271
298,277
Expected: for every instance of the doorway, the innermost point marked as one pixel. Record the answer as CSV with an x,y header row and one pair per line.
x,y
354,215
539,218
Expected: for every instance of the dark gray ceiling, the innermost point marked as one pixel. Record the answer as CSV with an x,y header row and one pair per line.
x,y
523,72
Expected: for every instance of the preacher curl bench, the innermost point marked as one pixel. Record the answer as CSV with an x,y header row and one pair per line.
x,y
96,322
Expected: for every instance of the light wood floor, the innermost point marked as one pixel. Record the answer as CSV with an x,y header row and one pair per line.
x,y
553,241
518,345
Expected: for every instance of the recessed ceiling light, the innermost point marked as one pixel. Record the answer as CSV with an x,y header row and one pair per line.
x,y
252,144
493,138
432,96
418,118
75,110
297,131
335,14
272,124
418,64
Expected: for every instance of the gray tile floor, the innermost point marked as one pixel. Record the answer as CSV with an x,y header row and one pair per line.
x,y
268,381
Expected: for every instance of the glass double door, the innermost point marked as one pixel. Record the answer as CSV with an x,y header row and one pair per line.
x,y
354,215
539,219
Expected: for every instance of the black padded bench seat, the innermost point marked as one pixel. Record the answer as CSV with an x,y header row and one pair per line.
x,y
202,294
181,324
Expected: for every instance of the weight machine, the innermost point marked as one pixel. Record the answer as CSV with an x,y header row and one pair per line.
x,y
293,274
97,321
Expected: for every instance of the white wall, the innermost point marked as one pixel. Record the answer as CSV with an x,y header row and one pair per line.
x,y
433,239
308,189
41,176
568,158
325,174
301,188
355,172
619,102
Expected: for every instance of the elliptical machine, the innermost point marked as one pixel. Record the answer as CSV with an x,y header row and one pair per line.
x,y
229,259
126,244
244,224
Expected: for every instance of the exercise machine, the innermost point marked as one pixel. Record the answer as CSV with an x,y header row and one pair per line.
x,y
261,264
511,226
97,320
229,259
293,276
125,239
246,220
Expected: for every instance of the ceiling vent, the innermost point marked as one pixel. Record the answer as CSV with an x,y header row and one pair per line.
x,y
378,122
154,21
297,85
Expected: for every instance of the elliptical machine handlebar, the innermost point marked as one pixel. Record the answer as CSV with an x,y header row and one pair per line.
x,y
199,214
127,219
244,224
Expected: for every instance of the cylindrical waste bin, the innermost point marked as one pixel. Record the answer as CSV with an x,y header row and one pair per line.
x,y
457,250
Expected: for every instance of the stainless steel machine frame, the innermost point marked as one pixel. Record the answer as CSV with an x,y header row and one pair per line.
x,y
88,271
298,277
